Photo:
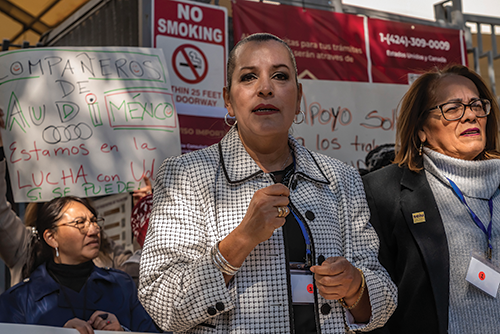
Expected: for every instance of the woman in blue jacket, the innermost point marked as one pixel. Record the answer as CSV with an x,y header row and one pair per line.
x,y
65,288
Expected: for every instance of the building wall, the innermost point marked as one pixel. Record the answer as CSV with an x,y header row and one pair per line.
x,y
116,23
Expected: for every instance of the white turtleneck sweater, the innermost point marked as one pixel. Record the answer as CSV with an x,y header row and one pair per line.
x,y
471,310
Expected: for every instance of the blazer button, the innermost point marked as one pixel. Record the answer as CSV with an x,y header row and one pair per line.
x,y
211,310
321,259
220,306
325,309
310,215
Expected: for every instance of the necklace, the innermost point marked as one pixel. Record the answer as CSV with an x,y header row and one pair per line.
x,y
286,161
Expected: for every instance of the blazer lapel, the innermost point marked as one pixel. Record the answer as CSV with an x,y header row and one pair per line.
x,y
424,221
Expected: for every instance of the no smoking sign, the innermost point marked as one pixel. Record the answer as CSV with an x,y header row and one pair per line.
x,y
193,37
190,63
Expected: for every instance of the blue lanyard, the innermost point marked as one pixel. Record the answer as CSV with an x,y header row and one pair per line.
x,y
303,229
304,232
479,223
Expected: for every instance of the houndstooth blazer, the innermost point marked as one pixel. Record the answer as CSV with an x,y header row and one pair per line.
x,y
202,196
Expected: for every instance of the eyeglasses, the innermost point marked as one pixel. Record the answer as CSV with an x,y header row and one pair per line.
x,y
453,111
84,224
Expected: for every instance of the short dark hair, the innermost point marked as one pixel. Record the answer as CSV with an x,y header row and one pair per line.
x,y
259,37
414,110
381,156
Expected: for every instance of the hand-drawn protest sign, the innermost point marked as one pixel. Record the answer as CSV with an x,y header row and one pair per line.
x,y
85,121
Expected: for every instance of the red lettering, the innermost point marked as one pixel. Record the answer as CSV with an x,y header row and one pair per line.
x,y
23,151
19,182
36,150
62,149
83,148
64,177
47,179
145,147
104,148
107,178
12,153
81,173
34,182
148,173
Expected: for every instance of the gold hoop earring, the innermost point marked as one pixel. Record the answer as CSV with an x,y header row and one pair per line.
x,y
227,123
302,120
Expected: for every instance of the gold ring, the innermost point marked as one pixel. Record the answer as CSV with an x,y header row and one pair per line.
x,y
285,211
282,211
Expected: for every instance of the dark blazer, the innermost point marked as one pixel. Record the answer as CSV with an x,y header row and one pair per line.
x,y
413,248
38,300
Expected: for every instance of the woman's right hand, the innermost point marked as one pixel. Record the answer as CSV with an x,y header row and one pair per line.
x,y
257,226
80,325
261,218
105,321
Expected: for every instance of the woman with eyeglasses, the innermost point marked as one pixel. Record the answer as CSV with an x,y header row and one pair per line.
x,y
65,288
16,237
437,208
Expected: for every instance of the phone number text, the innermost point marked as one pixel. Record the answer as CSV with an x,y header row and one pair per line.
x,y
414,41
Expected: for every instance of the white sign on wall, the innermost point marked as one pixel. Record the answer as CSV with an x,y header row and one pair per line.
x,y
346,120
193,37
85,121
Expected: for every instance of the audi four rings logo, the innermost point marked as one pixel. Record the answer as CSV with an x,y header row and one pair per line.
x,y
63,134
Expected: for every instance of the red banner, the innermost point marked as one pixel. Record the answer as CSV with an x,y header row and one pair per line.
x,y
326,45
332,46
400,48
198,132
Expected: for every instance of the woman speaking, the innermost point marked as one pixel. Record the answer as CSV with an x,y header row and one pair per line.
x,y
437,209
257,234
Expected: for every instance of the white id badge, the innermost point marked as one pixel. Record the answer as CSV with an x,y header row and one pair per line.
x,y
302,286
483,276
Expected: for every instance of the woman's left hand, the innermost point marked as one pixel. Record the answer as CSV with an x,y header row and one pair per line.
x,y
337,278
105,321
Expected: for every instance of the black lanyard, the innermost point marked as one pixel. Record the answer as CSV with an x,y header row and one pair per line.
x,y
302,228
285,180
306,238
479,223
